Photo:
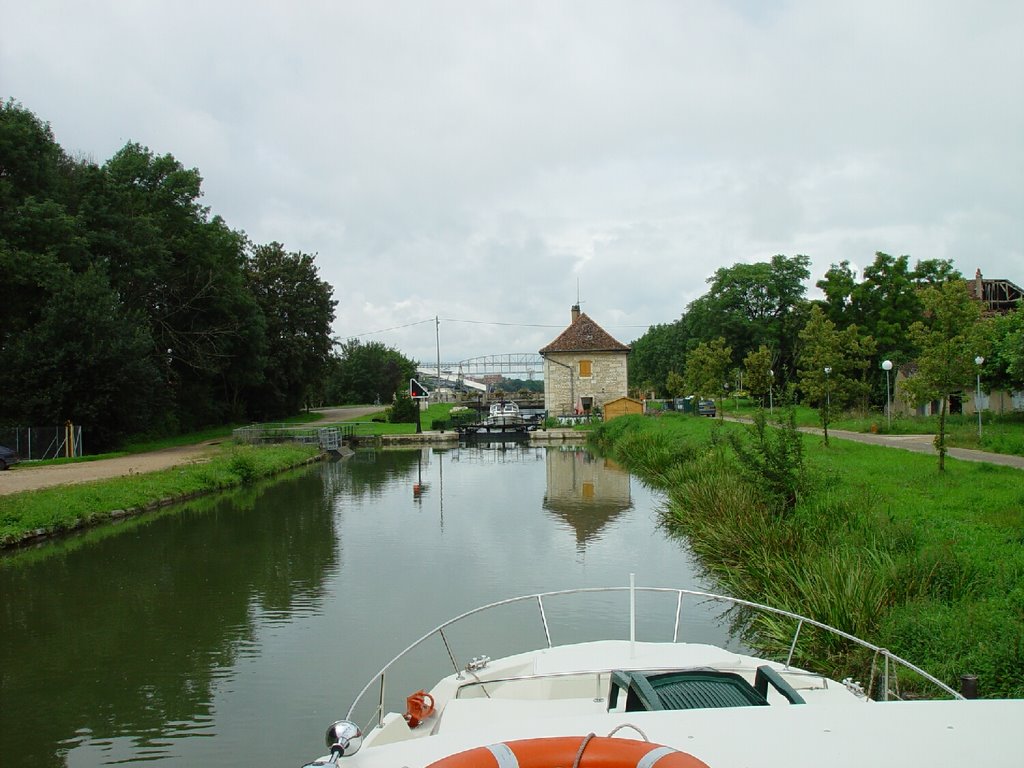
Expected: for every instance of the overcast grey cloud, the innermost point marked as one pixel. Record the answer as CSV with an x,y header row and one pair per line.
x,y
479,160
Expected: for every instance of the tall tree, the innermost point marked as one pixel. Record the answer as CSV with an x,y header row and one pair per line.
x,y
886,302
759,372
38,234
753,304
182,270
838,285
128,306
1006,368
934,271
833,364
298,309
660,350
706,369
30,158
367,373
949,337
675,384
86,361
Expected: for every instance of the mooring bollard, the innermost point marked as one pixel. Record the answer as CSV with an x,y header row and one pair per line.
x,y
969,686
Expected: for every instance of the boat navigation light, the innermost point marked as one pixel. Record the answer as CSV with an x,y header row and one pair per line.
x,y
344,738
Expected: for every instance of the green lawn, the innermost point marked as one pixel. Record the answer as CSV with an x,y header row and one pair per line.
x,y
377,424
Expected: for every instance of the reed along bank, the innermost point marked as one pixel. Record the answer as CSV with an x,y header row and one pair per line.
x,y
874,541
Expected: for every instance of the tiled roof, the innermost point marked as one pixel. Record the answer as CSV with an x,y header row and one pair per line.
x,y
584,335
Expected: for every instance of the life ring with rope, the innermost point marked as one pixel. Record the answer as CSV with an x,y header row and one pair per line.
x,y
575,751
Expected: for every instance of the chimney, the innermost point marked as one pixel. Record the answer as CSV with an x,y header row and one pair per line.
x,y
575,312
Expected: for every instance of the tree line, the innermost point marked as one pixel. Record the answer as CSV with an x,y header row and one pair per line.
x,y
127,307
756,329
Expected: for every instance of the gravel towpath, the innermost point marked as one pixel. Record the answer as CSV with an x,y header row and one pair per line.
x,y
25,477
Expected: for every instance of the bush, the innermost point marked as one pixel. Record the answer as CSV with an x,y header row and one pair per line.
x,y
404,410
773,458
244,465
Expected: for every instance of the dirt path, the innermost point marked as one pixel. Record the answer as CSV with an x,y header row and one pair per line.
x,y
24,477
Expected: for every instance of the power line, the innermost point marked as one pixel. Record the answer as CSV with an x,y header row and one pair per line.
x,y
495,322
476,322
392,328
530,325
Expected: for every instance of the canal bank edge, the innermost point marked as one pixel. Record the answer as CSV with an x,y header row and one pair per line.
x,y
40,534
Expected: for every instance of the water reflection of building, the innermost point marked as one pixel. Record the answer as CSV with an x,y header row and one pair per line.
x,y
586,491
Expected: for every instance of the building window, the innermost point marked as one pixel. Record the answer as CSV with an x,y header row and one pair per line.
x,y
585,369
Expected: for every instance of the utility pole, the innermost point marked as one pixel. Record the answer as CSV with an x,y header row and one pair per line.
x,y
437,338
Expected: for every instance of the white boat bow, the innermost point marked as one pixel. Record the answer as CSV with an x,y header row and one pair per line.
x,y
627,702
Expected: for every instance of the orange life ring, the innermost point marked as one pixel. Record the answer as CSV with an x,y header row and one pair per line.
x,y
600,752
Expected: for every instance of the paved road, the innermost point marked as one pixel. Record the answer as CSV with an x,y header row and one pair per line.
x,y
916,443
25,477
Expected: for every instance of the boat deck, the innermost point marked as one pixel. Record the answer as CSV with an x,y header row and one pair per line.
x,y
933,733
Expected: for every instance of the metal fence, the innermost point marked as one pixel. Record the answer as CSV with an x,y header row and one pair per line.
x,y
328,438
38,443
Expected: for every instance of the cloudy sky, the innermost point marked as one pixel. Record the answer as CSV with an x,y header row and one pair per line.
x,y
482,162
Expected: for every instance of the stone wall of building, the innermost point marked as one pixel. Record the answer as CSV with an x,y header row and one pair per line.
x,y
563,387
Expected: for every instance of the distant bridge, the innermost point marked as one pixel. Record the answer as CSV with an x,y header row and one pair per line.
x,y
468,373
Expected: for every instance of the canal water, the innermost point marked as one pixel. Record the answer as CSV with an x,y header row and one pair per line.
x,y
233,629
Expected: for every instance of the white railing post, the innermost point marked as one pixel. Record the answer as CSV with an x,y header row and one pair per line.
x,y
632,614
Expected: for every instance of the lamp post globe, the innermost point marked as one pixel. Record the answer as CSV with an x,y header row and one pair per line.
x,y
828,401
978,361
887,366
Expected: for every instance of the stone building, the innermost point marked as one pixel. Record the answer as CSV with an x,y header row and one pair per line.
x,y
583,368
997,296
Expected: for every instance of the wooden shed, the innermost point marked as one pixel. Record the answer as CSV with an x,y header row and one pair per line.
x,y
622,406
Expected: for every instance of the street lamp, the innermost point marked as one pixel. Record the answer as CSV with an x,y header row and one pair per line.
x,y
887,366
978,361
771,381
828,400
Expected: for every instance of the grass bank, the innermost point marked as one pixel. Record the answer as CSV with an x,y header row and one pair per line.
x,y
33,514
437,416
876,543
